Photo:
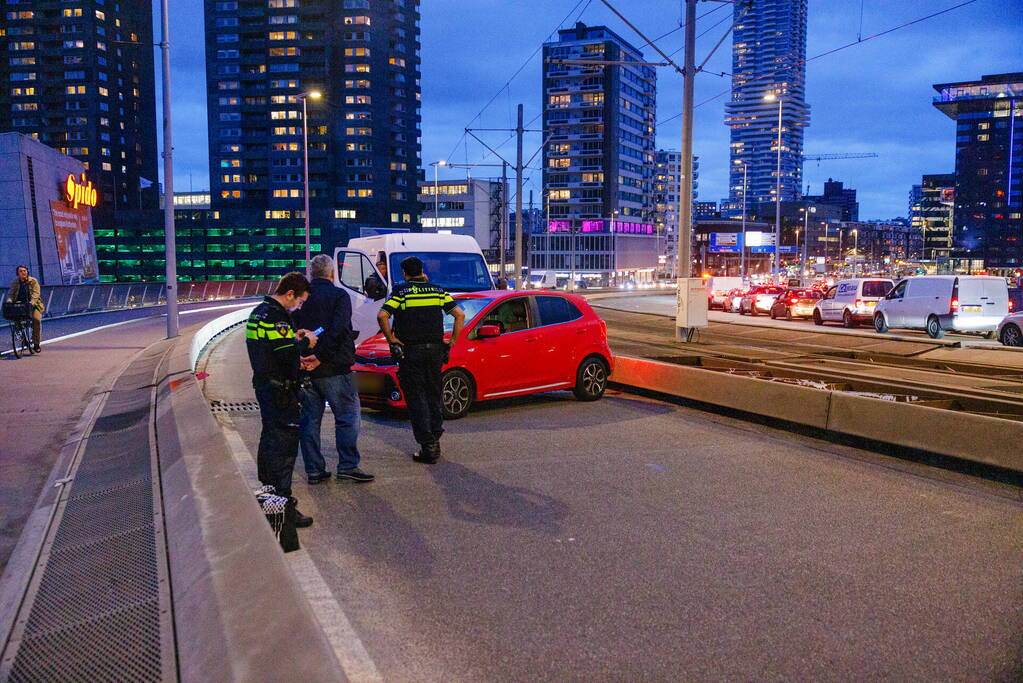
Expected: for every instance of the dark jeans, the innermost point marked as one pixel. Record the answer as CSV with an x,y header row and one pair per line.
x,y
420,378
339,391
278,442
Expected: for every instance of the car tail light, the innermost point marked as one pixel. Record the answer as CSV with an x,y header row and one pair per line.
x,y
953,305
793,301
1011,305
858,303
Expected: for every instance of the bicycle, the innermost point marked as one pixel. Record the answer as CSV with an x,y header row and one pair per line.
x,y
20,316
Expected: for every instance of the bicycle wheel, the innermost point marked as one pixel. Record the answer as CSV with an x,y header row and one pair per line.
x,y
16,339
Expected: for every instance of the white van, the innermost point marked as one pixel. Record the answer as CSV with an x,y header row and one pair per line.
x,y
455,262
851,301
718,288
940,303
541,279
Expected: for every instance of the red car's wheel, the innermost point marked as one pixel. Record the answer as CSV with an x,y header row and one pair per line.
x,y
458,393
590,379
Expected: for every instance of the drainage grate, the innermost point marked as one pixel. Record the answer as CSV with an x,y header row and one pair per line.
x,y
98,607
234,406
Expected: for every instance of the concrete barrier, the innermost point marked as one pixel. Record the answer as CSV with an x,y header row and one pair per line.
x,y
979,438
214,328
240,614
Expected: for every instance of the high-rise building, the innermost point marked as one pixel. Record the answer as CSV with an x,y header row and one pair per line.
x,y
836,194
989,161
936,215
666,201
768,54
264,61
599,157
79,78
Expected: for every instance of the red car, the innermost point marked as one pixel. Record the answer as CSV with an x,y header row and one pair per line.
x,y
514,343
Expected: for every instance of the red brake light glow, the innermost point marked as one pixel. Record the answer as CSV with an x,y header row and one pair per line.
x,y
793,300
955,305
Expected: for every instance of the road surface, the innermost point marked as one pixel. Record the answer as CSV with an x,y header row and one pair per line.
x,y
631,539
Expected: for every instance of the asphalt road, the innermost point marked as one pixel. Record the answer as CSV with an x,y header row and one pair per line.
x,y
631,539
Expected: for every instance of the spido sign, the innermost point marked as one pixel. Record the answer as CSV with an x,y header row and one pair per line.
x,y
80,192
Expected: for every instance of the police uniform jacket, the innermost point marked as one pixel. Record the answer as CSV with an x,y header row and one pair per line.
x,y
418,308
270,340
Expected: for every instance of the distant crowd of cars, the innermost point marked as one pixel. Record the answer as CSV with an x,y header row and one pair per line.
x,y
933,303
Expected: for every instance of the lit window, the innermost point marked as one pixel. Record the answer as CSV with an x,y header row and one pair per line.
x,y
345,213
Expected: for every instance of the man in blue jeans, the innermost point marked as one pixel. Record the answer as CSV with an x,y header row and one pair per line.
x,y
331,377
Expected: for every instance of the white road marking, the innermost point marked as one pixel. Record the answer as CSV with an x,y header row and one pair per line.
x,y
125,322
348,648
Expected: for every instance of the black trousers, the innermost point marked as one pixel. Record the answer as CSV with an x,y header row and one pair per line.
x,y
420,378
279,411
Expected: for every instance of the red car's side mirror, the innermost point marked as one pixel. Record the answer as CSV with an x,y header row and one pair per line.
x,y
489,331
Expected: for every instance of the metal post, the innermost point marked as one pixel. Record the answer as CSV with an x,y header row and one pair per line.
x,y
518,203
170,247
305,179
503,246
856,253
777,199
685,167
742,260
436,197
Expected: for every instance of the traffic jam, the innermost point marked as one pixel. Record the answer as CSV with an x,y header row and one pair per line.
x,y
936,304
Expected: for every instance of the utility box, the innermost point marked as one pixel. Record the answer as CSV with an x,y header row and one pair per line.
x,y
692,303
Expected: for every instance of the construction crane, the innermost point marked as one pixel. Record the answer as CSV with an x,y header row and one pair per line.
x,y
829,157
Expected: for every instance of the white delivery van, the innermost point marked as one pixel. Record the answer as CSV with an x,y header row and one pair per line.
x,y
851,301
455,262
718,288
542,279
940,303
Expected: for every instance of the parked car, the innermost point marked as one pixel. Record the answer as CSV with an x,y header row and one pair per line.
x,y
940,303
795,303
1015,299
1010,330
730,304
852,301
759,299
718,288
513,343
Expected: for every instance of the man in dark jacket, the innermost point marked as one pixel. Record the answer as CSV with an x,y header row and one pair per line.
x,y
331,377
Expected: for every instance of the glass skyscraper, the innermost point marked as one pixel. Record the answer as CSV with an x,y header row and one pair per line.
x,y
262,56
768,54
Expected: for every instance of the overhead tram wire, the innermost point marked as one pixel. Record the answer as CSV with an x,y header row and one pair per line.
x,y
521,69
829,52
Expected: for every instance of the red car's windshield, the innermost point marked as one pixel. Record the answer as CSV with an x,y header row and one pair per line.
x,y
471,308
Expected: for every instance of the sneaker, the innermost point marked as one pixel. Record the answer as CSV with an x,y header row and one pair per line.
x,y
356,475
318,478
36,349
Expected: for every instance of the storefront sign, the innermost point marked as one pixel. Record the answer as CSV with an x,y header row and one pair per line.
x,y
80,192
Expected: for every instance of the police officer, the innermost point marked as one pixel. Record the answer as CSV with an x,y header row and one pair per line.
x,y
276,353
417,343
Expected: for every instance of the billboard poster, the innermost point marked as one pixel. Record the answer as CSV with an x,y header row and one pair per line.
x,y
76,249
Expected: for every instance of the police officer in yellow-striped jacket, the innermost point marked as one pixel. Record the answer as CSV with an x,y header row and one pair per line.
x,y
417,343
276,353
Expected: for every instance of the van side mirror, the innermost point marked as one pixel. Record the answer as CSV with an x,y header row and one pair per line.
x,y
488,331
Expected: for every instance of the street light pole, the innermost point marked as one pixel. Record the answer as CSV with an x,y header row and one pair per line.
x,y
315,94
856,253
742,247
170,246
777,188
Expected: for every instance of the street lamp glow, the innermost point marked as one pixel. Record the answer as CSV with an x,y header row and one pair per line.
x,y
315,94
770,97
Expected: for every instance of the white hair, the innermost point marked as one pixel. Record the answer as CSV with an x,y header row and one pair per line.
x,y
321,266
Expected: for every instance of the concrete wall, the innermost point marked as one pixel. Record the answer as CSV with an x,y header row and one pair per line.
x,y
19,241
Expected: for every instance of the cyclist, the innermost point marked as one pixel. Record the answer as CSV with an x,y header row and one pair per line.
x,y
25,290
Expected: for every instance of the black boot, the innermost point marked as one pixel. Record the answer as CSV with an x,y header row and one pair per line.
x,y
301,521
428,453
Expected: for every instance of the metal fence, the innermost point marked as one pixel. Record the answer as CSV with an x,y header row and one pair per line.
x,y
63,300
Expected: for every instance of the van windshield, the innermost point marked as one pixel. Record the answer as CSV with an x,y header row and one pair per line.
x,y
878,288
454,271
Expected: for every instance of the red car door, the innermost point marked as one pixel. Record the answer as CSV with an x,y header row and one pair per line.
x,y
565,338
507,363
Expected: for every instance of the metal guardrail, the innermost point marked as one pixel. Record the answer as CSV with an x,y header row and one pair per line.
x,y
61,300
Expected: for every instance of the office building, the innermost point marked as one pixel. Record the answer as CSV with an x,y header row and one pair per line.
x,y
935,215
836,194
666,198
599,158
267,61
79,77
705,210
46,213
768,53
988,165
470,207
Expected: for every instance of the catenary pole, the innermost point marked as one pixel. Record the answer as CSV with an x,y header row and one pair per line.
x,y
518,202
170,246
685,209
